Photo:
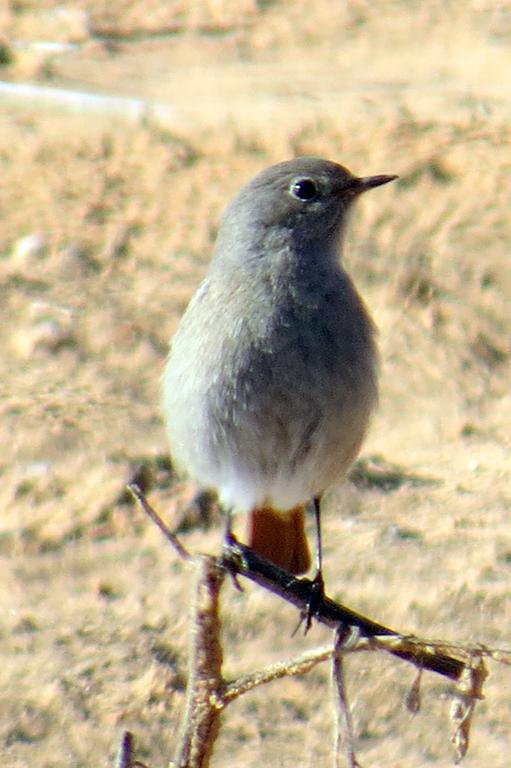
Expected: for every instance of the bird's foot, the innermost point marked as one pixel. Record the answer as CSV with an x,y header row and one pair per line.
x,y
315,597
226,558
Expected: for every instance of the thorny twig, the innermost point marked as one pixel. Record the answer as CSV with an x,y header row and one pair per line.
x,y
345,739
242,560
154,516
208,692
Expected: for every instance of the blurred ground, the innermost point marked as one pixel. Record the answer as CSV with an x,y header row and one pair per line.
x,y
106,228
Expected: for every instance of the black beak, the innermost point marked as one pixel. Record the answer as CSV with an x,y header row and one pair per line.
x,y
369,182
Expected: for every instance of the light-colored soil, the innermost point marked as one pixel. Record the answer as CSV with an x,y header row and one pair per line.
x,y
94,606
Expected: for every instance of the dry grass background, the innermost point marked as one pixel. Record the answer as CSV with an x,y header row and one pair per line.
x,y
94,605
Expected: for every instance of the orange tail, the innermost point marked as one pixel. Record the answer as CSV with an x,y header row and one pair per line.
x,y
280,538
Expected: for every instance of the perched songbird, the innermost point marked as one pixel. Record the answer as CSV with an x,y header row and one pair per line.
x,y
271,377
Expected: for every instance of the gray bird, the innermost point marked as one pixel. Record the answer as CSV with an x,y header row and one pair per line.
x,y
271,377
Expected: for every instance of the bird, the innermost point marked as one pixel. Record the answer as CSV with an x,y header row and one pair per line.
x,y
271,378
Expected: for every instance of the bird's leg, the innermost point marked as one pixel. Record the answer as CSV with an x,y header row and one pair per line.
x,y
318,585
318,578
228,534
229,540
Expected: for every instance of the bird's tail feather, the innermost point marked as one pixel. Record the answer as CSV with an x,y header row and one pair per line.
x,y
280,537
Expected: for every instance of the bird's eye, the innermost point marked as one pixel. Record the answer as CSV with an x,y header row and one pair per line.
x,y
304,189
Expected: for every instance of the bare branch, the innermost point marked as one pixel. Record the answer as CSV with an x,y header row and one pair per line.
x,y
208,693
468,692
154,516
345,740
204,701
297,666
242,560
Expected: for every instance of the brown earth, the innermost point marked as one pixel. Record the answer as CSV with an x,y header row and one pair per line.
x,y
122,215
